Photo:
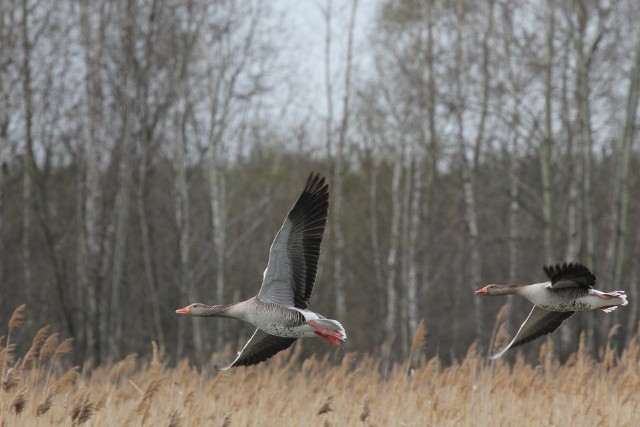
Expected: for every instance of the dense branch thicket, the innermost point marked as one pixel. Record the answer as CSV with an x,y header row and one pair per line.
x,y
148,159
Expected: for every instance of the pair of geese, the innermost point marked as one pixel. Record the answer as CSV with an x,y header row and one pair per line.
x,y
280,310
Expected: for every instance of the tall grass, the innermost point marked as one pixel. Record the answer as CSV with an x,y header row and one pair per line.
x,y
37,391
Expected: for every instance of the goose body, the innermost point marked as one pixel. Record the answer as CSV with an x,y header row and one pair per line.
x,y
569,289
280,310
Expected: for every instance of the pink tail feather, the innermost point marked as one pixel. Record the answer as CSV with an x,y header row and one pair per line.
x,y
328,335
609,296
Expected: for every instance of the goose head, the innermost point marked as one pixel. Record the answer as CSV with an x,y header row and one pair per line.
x,y
202,310
196,309
492,290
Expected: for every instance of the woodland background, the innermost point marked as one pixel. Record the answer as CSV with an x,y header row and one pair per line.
x,y
151,150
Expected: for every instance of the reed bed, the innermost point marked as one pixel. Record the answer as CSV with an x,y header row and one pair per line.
x,y
143,391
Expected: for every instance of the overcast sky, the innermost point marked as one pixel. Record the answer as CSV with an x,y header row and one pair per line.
x,y
305,21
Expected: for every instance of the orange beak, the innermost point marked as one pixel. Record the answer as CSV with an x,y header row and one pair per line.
x,y
483,291
183,310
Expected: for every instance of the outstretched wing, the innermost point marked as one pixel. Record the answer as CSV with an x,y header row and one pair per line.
x,y
539,322
293,258
572,275
260,347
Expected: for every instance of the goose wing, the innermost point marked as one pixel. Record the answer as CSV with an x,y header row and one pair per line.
x,y
572,275
539,322
260,347
293,257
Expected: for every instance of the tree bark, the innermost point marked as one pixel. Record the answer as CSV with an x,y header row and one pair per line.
x,y
621,231
338,164
90,279
376,252
545,150
469,167
584,148
574,163
28,159
218,224
392,256
123,197
6,47
182,221
415,218
150,268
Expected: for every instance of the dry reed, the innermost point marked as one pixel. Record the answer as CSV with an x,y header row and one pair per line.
x,y
19,401
45,405
32,353
16,320
472,391
326,406
83,409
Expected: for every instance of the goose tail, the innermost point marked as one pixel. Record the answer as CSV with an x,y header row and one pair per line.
x,y
621,298
329,330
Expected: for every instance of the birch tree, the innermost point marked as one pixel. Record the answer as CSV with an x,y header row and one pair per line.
x,y
470,166
183,225
235,45
90,247
128,95
336,152
9,28
390,325
28,159
510,148
620,224
545,148
585,50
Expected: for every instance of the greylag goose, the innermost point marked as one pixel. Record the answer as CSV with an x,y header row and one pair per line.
x,y
279,311
569,289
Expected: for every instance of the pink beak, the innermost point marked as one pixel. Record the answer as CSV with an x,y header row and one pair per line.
x,y
183,310
482,291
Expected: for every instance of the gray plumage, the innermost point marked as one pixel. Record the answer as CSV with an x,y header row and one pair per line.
x,y
279,311
569,289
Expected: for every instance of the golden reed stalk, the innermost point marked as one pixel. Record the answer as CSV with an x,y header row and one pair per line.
x,y
315,391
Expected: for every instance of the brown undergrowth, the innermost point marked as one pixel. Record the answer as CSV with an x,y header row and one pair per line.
x,y
36,391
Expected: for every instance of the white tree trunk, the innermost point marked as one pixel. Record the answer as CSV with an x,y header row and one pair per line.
x,y
414,231
90,252
28,159
545,150
622,181
147,250
391,293
218,224
123,196
184,239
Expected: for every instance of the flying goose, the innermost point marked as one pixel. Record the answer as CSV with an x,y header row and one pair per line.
x,y
569,289
279,311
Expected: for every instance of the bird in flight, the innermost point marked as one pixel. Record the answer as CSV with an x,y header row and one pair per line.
x,y
280,310
569,289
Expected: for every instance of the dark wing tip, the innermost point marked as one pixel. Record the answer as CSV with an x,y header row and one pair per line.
x,y
265,349
309,219
553,322
570,270
316,185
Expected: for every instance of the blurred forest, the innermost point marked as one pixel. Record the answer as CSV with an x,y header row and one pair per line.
x,y
151,150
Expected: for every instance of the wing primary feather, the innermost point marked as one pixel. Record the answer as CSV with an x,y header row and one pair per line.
x,y
309,219
576,273
293,259
260,347
539,322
